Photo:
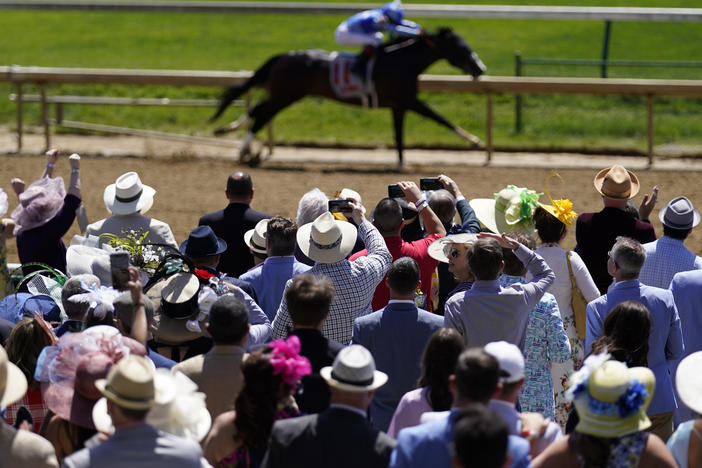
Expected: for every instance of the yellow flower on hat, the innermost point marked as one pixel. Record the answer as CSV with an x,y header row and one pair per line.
x,y
563,210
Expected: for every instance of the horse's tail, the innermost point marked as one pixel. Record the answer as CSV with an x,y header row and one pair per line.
x,y
233,92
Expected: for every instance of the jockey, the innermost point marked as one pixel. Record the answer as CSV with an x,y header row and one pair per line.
x,y
367,27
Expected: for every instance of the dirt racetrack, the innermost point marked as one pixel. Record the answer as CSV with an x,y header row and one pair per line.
x,y
190,181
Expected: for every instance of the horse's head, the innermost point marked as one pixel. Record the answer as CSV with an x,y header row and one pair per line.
x,y
457,51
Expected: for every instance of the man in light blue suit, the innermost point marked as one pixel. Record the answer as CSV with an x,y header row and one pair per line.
x,y
665,343
475,381
396,336
687,290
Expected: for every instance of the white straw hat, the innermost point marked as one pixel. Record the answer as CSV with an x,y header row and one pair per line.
x,y
326,240
128,195
256,238
688,381
354,371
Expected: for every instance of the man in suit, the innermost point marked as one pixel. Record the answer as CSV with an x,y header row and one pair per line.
x,y
19,447
309,298
218,373
475,381
595,233
128,199
665,342
396,335
129,390
341,436
233,221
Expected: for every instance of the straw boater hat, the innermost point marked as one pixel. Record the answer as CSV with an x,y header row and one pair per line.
x,y
178,296
130,383
128,195
440,248
13,383
688,381
611,399
256,238
616,182
679,214
354,371
510,210
326,240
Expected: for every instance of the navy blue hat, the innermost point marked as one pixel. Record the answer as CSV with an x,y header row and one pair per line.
x,y
203,242
43,304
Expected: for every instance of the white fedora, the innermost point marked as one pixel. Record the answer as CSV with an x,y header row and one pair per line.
x,y
128,195
256,238
354,371
326,240
679,214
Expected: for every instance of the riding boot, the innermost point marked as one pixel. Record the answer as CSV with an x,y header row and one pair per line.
x,y
359,66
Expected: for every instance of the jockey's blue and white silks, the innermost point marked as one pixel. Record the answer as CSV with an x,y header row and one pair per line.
x,y
367,27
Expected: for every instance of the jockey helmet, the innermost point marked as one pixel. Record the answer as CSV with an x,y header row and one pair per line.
x,y
393,10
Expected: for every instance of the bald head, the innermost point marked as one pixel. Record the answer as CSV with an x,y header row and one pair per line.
x,y
443,204
239,187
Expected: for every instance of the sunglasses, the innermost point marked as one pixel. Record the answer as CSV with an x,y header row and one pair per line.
x,y
454,253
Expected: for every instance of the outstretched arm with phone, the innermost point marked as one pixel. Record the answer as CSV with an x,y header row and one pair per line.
x,y
432,223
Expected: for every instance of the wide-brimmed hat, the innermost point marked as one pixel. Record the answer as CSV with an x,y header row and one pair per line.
x,y
4,205
44,305
688,381
256,238
11,306
13,383
128,195
130,383
202,242
326,240
178,305
511,209
441,248
679,214
616,182
83,259
611,399
40,202
354,371
561,209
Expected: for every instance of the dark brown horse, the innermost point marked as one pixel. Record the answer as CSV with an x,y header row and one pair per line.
x,y
291,76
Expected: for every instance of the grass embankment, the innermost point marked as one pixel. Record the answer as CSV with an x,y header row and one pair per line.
x,y
243,42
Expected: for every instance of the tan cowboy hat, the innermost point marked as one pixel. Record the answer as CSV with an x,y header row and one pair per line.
x,y
130,383
354,371
326,240
256,238
440,248
128,195
13,383
616,182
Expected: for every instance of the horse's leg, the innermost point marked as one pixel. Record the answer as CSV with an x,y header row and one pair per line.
x,y
398,120
422,109
261,115
234,125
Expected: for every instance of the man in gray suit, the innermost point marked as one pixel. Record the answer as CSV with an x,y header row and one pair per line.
x,y
341,436
129,389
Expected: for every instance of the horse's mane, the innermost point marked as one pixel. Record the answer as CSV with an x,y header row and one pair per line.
x,y
402,42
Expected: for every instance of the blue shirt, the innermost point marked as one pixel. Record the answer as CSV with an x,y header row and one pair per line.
x,y
429,445
665,342
664,258
373,21
268,280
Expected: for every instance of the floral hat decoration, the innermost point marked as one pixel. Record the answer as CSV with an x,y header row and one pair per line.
x,y
561,209
611,399
510,210
287,362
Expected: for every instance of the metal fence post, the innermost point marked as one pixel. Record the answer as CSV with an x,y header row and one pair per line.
x,y
605,48
19,117
517,97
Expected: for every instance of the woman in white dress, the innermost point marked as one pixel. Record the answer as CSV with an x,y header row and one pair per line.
x,y
551,222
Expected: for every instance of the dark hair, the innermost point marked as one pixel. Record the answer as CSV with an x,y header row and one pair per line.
x,y
631,210
438,362
76,310
625,334
594,450
281,236
679,234
480,438
239,184
99,317
387,216
477,374
549,228
309,298
485,259
133,414
228,321
22,415
514,266
24,345
443,204
257,402
403,276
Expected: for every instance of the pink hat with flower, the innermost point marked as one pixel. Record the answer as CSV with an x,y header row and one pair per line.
x,y
39,203
287,362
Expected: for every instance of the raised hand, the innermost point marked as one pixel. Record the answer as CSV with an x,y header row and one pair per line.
x,y
502,239
648,203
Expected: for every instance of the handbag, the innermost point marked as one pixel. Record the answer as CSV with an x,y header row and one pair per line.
x,y
577,302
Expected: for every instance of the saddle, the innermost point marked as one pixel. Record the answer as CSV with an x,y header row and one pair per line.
x,y
347,85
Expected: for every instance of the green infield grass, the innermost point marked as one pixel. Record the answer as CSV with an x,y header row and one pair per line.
x,y
243,42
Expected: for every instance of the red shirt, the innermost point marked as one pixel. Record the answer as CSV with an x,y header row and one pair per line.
x,y
399,248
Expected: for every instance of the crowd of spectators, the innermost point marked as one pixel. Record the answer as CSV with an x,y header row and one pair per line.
x,y
430,331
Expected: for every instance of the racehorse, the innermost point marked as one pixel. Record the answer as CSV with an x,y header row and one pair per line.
x,y
291,76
